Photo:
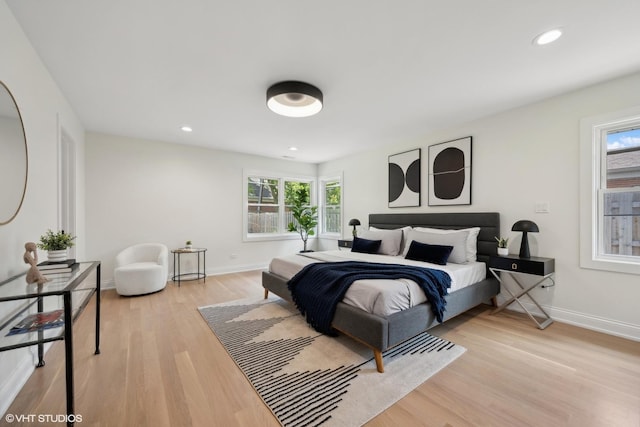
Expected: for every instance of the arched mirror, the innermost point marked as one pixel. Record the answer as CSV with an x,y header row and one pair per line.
x,y
13,157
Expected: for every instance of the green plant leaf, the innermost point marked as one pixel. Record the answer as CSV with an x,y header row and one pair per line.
x,y
51,241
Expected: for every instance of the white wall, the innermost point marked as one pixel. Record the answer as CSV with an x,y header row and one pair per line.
x,y
142,191
521,157
44,109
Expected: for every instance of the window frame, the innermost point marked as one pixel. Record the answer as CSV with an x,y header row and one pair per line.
x,y
322,182
282,233
593,176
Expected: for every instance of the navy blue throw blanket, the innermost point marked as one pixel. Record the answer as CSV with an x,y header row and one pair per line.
x,y
317,288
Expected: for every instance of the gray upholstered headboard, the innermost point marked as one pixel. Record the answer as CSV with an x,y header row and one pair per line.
x,y
489,223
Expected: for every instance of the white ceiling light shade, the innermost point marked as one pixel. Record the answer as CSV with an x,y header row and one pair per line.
x,y
186,128
294,99
547,37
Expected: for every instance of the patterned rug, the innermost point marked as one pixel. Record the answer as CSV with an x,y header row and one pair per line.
x,y
309,379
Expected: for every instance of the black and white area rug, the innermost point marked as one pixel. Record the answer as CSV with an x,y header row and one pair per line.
x,y
309,379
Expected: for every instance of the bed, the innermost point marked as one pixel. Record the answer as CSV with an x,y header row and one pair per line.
x,y
381,332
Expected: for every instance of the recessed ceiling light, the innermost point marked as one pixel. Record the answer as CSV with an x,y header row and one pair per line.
x,y
293,148
186,129
547,37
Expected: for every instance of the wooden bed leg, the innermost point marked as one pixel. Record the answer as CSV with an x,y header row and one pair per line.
x,y
378,356
266,293
494,301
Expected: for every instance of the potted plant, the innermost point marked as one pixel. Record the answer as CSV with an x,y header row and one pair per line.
x,y
305,216
56,244
188,245
502,245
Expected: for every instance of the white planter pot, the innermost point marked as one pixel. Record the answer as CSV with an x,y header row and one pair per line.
x,y
503,251
56,256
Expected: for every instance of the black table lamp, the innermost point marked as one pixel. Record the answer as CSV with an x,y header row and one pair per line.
x,y
354,222
525,226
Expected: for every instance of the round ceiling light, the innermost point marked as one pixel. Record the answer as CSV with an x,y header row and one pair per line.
x,y
294,99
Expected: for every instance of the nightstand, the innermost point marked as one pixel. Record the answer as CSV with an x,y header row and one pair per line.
x,y
344,244
514,266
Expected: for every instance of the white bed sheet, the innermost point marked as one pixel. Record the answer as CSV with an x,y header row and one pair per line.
x,y
381,297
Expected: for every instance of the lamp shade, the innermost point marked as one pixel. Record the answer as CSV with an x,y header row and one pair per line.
x,y
525,226
294,99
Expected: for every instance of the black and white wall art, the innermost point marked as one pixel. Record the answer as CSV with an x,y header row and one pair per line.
x,y
404,179
450,173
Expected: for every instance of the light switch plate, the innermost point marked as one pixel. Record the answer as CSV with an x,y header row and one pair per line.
x,y
542,207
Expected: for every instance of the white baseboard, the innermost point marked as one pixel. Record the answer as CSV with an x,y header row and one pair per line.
x,y
587,321
236,269
600,324
107,284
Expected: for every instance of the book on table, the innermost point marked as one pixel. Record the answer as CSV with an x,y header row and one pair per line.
x,y
59,270
50,267
55,265
38,321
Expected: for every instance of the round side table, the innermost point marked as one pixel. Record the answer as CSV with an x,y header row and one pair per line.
x,y
198,274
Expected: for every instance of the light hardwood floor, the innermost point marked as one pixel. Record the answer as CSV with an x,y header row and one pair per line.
x,y
162,366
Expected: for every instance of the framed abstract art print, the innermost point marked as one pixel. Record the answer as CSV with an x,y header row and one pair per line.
x,y
450,173
404,179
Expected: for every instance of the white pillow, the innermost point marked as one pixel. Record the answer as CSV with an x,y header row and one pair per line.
x,y
457,240
391,240
405,232
472,239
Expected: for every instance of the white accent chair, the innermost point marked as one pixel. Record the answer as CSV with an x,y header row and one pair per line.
x,y
141,269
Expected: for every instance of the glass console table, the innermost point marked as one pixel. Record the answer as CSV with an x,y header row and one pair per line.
x,y
70,292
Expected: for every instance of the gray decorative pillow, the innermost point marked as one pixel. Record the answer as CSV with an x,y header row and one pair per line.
x,y
404,243
391,240
472,239
457,240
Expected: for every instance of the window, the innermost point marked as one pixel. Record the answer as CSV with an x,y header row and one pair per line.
x,y
331,206
263,205
291,189
620,191
267,215
610,192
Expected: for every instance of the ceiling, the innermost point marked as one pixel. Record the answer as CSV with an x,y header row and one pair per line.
x,y
389,71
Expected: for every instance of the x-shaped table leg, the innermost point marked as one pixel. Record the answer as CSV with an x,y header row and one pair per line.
x,y
524,290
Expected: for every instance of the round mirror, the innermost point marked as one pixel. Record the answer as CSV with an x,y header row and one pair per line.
x,y
13,157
